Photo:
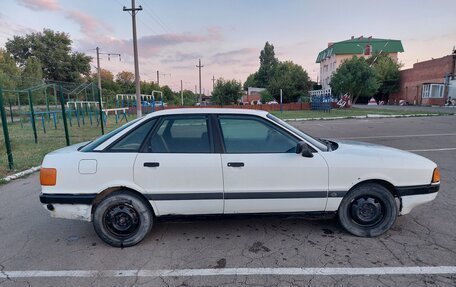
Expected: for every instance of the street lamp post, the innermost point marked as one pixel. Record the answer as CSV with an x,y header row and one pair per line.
x,y
361,48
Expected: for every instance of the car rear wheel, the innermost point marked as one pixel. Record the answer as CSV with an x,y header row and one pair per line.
x,y
122,219
368,210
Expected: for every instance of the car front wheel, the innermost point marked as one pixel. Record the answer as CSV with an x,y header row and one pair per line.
x,y
368,210
122,219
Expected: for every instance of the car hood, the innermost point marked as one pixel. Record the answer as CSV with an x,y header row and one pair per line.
x,y
380,153
68,149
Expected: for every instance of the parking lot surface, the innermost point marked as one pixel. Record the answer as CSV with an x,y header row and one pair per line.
x,y
248,251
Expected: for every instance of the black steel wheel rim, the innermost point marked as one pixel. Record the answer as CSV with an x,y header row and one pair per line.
x,y
121,220
367,211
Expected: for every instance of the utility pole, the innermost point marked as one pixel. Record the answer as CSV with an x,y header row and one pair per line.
x,y
133,10
98,66
99,71
182,94
199,68
158,76
213,83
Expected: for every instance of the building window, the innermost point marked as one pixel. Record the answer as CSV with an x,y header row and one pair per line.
x,y
432,91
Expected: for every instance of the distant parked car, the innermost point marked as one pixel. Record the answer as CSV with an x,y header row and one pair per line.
x,y
143,104
159,104
229,161
272,103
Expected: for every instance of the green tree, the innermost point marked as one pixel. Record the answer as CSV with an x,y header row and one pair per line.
x,y
53,50
226,92
125,77
355,77
268,64
146,87
251,81
110,88
387,74
190,98
168,95
266,97
293,81
32,75
9,72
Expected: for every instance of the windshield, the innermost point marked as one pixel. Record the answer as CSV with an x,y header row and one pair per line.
x,y
316,142
93,144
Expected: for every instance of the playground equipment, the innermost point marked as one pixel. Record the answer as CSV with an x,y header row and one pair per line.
x,y
52,102
126,102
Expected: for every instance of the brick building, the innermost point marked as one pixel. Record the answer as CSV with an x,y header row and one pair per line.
x,y
428,83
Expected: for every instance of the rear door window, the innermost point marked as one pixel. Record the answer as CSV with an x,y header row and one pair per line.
x,y
187,134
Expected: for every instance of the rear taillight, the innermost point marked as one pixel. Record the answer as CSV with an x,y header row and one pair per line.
x,y
48,176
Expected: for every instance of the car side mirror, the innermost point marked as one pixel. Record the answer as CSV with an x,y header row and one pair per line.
x,y
303,149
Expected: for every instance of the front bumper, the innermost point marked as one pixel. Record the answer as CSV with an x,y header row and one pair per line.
x,y
417,189
413,196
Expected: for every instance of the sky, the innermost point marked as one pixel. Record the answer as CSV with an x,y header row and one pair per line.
x,y
228,35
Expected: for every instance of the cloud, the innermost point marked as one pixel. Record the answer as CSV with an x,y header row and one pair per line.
x,y
50,5
245,56
154,43
89,25
150,45
179,57
9,28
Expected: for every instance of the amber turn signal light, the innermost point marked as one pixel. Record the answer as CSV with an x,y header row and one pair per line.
x,y
48,176
436,175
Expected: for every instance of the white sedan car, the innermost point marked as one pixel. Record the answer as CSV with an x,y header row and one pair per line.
x,y
227,161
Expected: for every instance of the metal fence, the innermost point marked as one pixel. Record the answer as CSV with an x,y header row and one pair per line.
x,y
39,119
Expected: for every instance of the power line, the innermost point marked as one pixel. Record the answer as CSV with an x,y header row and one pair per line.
x,y
155,17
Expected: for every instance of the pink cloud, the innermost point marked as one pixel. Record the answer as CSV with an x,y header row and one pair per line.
x,y
52,5
150,45
246,57
88,24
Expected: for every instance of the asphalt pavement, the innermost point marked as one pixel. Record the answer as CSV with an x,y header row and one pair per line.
x,y
239,251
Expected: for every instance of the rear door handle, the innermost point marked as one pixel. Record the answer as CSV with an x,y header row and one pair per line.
x,y
235,164
151,164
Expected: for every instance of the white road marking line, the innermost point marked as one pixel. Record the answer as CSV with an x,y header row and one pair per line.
x,y
400,136
425,270
434,149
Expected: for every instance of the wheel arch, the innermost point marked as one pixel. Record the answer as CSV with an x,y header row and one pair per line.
x,y
388,185
113,189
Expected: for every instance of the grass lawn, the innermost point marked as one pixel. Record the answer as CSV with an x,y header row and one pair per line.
x,y
341,113
27,154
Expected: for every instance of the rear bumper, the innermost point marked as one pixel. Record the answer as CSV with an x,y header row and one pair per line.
x,y
48,198
68,206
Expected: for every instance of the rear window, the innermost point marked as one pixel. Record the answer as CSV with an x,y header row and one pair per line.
x,y
98,141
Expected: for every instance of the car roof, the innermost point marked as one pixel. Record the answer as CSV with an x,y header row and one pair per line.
x,y
182,111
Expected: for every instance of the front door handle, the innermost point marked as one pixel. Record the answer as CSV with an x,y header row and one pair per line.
x,y
235,164
151,164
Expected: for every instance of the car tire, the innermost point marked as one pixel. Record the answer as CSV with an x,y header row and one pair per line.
x,y
123,219
368,210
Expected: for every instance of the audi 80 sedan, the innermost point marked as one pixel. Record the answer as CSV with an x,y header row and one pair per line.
x,y
229,161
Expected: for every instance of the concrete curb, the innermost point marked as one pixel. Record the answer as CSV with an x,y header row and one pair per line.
x,y
371,116
21,174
